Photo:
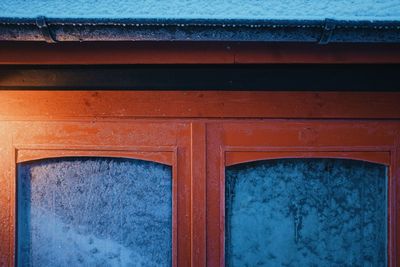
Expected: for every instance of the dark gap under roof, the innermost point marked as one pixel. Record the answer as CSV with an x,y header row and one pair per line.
x,y
275,77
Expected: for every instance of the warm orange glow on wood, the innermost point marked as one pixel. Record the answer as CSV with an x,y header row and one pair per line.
x,y
72,105
198,134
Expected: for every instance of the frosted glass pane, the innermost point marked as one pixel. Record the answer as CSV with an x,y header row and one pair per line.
x,y
306,212
94,212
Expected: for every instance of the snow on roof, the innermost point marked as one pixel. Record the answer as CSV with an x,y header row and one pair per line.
x,y
321,21
204,9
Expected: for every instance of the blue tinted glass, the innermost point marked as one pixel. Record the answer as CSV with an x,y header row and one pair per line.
x,y
94,212
306,212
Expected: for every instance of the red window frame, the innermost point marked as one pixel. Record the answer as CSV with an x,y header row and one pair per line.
x,y
198,133
232,143
156,141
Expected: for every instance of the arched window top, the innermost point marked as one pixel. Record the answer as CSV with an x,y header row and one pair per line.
x,y
239,157
163,156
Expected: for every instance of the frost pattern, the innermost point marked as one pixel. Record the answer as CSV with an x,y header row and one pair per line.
x,y
204,9
306,212
94,212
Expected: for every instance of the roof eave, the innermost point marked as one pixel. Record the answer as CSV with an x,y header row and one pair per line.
x,y
319,31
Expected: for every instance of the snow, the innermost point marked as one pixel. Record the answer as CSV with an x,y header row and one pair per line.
x,y
94,212
204,9
306,212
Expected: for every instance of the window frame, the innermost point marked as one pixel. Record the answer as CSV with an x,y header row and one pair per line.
x,y
200,127
299,139
55,139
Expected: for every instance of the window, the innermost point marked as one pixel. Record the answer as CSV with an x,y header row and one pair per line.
x,y
94,212
300,193
199,178
306,212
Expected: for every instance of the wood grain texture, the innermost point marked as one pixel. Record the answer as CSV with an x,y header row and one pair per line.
x,y
194,53
6,198
51,105
198,194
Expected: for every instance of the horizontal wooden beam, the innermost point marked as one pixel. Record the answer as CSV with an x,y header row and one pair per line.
x,y
193,53
47,105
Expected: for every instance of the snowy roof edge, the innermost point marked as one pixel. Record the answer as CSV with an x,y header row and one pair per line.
x,y
260,30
